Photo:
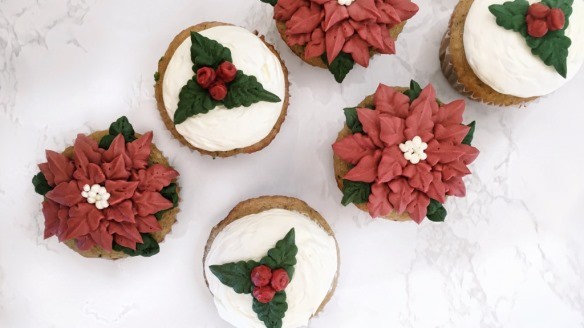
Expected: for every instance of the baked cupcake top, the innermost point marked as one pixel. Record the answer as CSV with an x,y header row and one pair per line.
x,y
519,54
404,153
224,88
273,268
110,195
342,32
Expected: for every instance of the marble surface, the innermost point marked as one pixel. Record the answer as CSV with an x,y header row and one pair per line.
x,y
511,254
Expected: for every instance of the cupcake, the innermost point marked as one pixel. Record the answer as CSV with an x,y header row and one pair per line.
x,y
110,195
222,90
272,262
402,152
336,34
510,53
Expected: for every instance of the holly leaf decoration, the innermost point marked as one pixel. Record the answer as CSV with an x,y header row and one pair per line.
x,y
552,49
106,141
436,211
169,192
271,313
123,126
470,135
341,66
272,2
352,120
236,275
207,52
245,90
511,15
41,186
148,248
193,100
283,255
355,192
414,91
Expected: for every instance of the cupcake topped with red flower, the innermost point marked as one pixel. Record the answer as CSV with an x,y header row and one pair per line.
x,y
403,152
111,195
336,34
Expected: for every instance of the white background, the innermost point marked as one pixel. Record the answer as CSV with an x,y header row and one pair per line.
x,y
511,254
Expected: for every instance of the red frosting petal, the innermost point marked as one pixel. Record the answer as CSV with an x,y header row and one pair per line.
x,y
85,243
363,10
404,8
389,101
117,169
155,177
102,237
298,39
139,151
378,204
51,214
388,14
391,165
148,224
66,193
370,120
366,169
419,123
86,150
454,169
437,189
359,50
450,114
455,187
335,40
149,202
83,219
452,134
129,233
316,46
391,130
305,20
371,32
354,147
470,154
418,208
122,212
334,14
284,9
443,153
419,176
401,194
120,190
60,166
117,148
90,175
388,42
44,167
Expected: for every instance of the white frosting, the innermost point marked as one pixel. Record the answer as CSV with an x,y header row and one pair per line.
x,y
224,129
502,59
96,195
345,2
250,238
414,150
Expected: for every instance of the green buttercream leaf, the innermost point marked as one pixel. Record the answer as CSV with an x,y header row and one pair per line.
x,y
470,135
169,192
41,186
156,77
148,248
207,52
193,100
245,90
123,126
355,192
552,49
106,141
283,255
436,211
352,120
414,91
511,15
341,66
158,215
272,2
271,313
236,275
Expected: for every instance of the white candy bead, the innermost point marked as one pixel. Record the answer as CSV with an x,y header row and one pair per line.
x,y
345,2
414,150
97,195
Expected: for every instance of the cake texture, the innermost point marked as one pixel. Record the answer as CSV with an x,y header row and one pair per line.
x,y
493,54
111,195
336,34
259,240
402,152
222,90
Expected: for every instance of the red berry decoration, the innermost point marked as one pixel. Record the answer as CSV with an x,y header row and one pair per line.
x,y
537,28
280,279
538,10
556,19
227,71
205,77
218,91
264,294
261,276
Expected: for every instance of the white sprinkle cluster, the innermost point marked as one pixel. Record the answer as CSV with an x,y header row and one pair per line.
x,y
97,195
345,2
414,150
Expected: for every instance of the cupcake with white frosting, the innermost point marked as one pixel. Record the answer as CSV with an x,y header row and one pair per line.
x,y
222,90
272,262
509,53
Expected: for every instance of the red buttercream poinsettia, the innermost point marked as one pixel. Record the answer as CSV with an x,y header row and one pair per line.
x,y
328,26
133,186
398,184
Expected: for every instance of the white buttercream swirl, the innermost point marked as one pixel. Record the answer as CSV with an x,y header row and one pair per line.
x,y
502,59
224,129
250,238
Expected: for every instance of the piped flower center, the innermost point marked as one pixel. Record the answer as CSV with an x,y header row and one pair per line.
x,y
414,150
345,2
97,195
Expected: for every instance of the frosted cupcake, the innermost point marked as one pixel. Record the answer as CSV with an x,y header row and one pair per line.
x,y
402,152
336,34
272,262
510,53
222,90
111,195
